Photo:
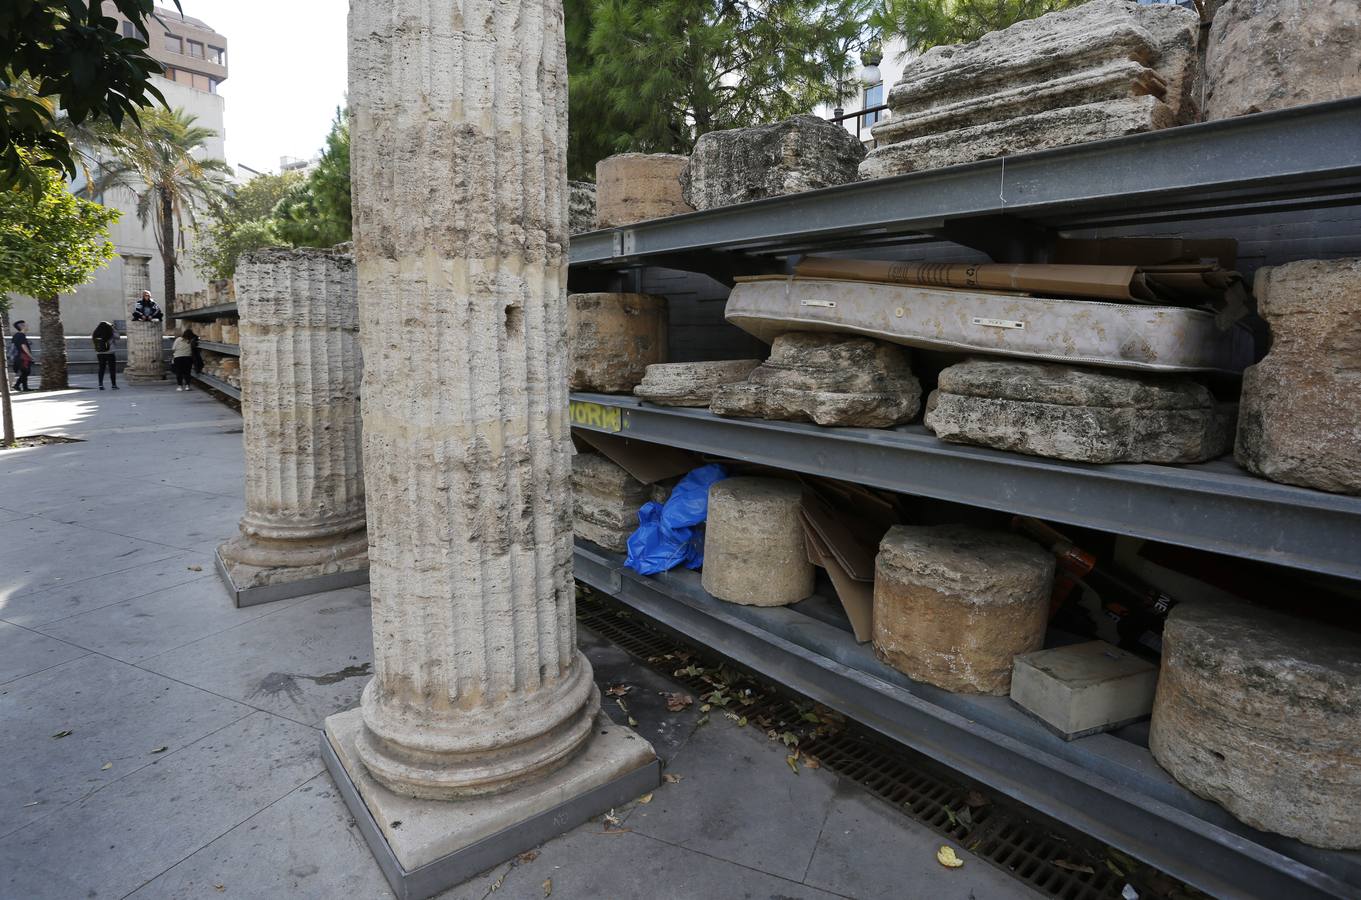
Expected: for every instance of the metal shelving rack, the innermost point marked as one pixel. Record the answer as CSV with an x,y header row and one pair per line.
x,y
219,311
205,313
1307,158
219,347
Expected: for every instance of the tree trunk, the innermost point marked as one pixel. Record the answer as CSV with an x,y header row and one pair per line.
x,y
6,410
54,376
168,254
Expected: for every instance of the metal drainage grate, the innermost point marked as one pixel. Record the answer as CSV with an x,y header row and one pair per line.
x,y
1044,854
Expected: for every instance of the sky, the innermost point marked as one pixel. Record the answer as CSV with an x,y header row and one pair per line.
x,y
285,74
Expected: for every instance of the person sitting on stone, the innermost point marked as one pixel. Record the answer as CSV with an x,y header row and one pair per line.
x,y
146,309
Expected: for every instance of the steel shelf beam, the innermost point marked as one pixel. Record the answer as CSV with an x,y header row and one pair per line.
x,y
1114,793
1213,506
220,311
218,385
219,347
1309,154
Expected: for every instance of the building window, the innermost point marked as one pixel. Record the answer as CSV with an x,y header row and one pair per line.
x,y
874,96
169,73
131,30
212,84
196,49
217,55
174,43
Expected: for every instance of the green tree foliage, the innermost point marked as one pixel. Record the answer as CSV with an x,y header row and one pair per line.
x,y
654,75
162,164
51,243
243,221
316,213
66,54
928,23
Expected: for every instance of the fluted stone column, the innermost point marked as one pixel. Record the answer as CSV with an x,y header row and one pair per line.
x,y
304,527
146,360
458,143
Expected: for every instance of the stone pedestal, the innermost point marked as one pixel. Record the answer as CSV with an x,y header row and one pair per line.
x,y
753,543
481,706
1300,419
581,206
304,527
828,379
954,605
1271,54
605,501
1070,412
1100,70
635,187
742,164
146,359
1260,712
691,384
613,338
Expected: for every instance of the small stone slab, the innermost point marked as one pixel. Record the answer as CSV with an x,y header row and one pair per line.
x,y
953,604
1273,54
635,187
605,501
426,846
1084,688
827,379
612,338
753,543
743,164
693,383
1261,712
1100,70
1075,413
1300,421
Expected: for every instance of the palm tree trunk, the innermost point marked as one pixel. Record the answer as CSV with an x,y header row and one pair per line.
x,y
6,410
54,376
168,252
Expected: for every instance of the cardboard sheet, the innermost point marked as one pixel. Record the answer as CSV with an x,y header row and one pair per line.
x,y
649,463
857,597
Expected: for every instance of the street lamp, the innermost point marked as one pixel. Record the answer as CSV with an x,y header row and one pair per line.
x,y
868,76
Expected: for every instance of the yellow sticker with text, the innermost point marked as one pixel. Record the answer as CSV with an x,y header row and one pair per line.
x,y
594,415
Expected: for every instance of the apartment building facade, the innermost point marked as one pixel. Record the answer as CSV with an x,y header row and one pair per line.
x,y
195,58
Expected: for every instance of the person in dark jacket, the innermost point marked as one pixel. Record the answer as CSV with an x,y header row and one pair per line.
x,y
146,309
105,340
20,356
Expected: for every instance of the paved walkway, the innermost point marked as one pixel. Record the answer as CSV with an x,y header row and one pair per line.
x,y
156,742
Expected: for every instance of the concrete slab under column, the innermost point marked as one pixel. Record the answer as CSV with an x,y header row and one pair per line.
x,y
268,593
426,846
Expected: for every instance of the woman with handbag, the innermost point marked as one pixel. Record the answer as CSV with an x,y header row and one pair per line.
x,y
105,340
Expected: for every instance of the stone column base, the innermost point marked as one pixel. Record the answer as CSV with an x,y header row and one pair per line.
x,y
427,846
134,378
261,572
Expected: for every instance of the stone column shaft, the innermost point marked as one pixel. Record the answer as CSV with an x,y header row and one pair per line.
x,y
460,206
145,357
300,376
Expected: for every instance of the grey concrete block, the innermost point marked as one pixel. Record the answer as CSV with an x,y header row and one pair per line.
x,y
1084,688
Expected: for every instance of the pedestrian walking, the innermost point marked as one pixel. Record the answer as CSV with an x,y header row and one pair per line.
x,y
182,358
20,356
147,309
105,339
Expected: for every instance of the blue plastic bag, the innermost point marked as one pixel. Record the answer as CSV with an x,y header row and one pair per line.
x,y
672,534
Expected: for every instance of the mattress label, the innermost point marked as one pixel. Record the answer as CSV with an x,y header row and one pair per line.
x,y
825,304
998,323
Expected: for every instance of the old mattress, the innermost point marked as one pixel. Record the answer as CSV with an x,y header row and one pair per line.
x,y
1120,335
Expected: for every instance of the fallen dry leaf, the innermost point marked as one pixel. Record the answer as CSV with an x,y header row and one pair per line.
x,y
975,799
548,887
646,798
677,701
671,778
618,690
197,569
946,857
611,820
33,803
219,887
528,856
159,750
1074,867
811,762
633,723
61,734
793,761
106,767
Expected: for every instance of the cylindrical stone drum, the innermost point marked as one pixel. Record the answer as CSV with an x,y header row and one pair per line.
x,y
613,338
953,605
145,357
753,544
1261,712
635,187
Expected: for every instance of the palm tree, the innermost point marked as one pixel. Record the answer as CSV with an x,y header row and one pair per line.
x,y
160,162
